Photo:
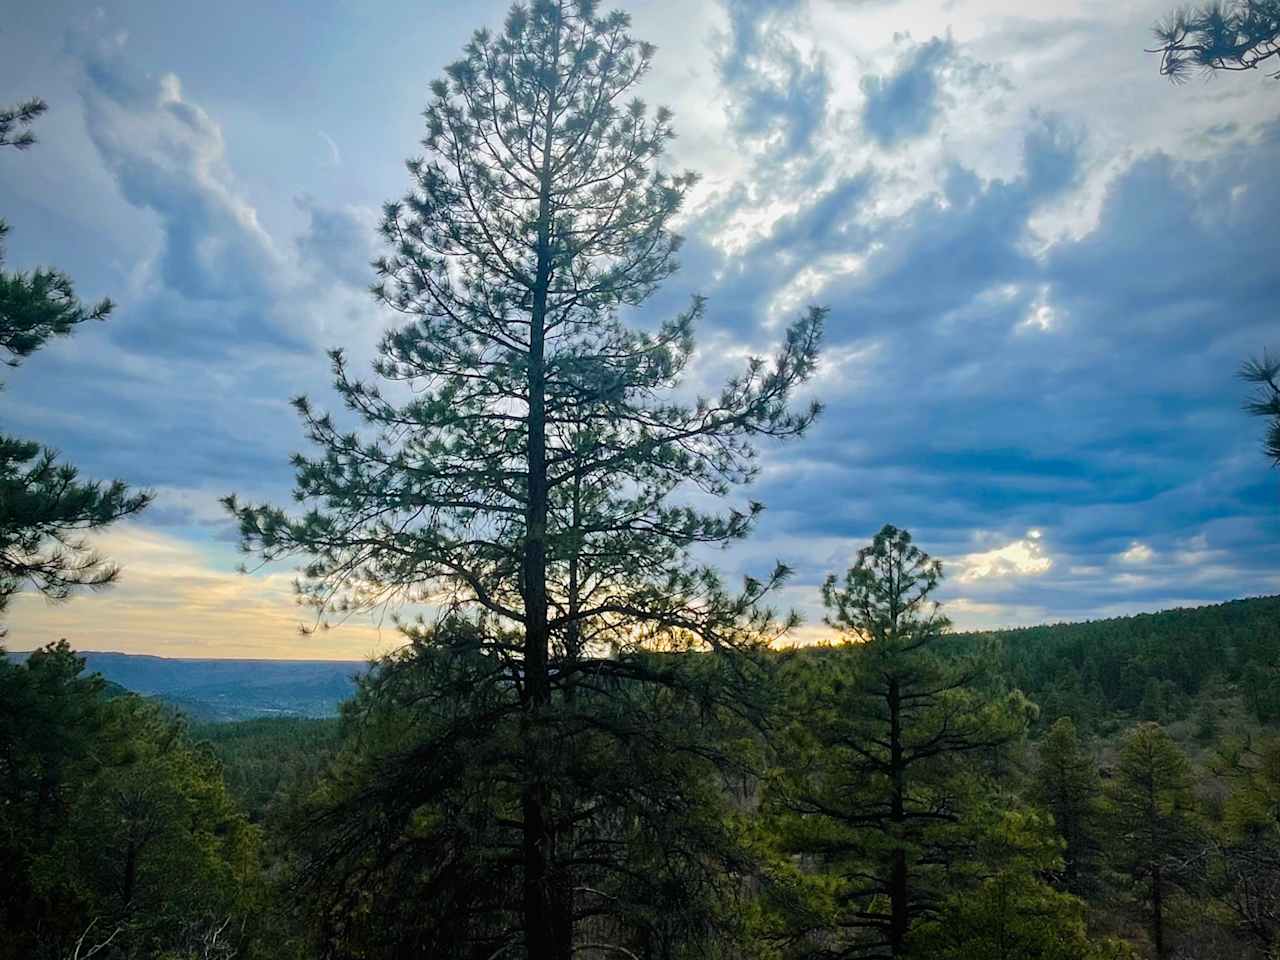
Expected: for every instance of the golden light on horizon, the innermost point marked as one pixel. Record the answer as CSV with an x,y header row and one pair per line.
x,y
173,599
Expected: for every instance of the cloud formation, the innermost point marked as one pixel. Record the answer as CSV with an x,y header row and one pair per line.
x,y
1022,558
1040,289
904,104
778,93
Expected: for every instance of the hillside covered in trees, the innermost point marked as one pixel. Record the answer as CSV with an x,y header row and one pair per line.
x,y
1153,666
1038,831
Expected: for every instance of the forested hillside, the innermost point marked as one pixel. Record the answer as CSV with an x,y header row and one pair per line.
x,y
1151,666
263,758
1043,850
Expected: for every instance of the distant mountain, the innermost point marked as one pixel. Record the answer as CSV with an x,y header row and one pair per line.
x,y
222,690
1149,665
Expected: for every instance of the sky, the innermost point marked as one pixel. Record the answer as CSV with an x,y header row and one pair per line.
x,y
1044,265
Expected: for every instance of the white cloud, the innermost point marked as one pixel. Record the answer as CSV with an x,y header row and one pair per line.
x,y
1042,314
168,155
1138,554
1021,558
335,155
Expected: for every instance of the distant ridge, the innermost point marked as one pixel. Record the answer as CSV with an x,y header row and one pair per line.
x,y
241,660
1141,615
224,689
1109,662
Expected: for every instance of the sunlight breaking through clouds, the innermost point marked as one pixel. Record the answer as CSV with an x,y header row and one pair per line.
x,y
176,599
1138,554
1022,558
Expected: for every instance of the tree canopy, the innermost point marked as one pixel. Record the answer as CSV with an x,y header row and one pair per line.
x,y
116,826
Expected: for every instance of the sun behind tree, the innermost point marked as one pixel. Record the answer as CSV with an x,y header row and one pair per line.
x,y
534,480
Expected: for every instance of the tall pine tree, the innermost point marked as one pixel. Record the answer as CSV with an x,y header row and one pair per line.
x,y
1067,784
1151,813
539,476
882,775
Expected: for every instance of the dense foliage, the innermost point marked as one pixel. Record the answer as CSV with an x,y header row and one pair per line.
x,y
385,833
117,826
1154,666
264,758
410,843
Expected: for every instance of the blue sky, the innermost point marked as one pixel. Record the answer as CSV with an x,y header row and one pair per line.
x,y
1044,264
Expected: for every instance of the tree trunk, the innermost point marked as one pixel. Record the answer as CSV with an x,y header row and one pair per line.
x,y
899,918
130,875
548,923
539,840
1157,910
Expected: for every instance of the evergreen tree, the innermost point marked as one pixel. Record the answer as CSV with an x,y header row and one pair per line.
x,y
537,477
45,509
1013,914
409,844
1236,35
881,770
1265,374
1067,784
1245,877
112,819
154,842
1151,813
